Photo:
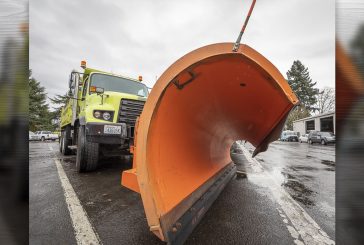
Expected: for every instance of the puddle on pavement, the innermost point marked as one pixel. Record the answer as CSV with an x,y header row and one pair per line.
x,y
291,182
328,163
297,190
307,177
330,169
302,167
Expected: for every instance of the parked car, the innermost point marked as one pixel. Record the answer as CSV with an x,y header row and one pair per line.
x,y
33,136
303,138
321,137
289,136
46,135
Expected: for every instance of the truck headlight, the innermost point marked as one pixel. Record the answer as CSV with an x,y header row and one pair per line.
x,y
97,114
106,116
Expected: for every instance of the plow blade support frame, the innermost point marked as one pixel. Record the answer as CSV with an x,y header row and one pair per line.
x,y
200,105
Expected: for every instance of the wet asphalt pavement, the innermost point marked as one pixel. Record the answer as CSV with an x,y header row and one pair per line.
x,y
248,211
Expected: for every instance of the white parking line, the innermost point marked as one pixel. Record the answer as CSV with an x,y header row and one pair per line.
x,y
84,232
51,148
304,225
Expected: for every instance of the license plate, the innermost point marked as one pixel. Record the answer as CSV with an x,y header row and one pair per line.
x,y
109,129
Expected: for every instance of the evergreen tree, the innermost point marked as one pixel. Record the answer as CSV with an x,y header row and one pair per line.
x,y
39,116
301,83
60,101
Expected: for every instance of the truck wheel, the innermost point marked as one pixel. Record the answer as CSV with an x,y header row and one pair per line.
x,y
65,135
310,142
87,152
60,143
323,142
42,139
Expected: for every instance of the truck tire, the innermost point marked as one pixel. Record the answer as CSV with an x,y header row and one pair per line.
x,y
65,142
60,143
87,152
323,142
42,139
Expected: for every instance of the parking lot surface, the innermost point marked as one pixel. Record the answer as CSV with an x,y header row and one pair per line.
x,y
287,197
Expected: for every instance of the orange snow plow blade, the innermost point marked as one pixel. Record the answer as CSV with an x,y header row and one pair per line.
x,y
201,104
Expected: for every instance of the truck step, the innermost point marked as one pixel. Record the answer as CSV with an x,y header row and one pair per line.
x,y
72,147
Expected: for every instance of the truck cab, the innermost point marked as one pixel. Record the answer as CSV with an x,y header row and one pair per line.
x,y
100,116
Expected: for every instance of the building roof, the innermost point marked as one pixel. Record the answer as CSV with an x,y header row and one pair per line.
x,y
316,116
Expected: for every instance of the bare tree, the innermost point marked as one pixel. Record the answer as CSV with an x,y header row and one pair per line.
x,y
326,100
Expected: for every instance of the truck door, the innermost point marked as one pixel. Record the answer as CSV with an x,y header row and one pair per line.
x,y
82,102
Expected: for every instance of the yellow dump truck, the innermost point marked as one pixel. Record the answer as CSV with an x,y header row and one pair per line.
x,y
100,115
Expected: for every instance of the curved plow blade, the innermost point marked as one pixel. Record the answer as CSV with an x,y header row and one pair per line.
x,y
201,104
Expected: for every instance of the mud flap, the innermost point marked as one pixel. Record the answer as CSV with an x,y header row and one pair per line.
x,y
201,104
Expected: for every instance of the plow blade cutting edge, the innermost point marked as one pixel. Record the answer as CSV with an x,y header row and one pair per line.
x,y
201,104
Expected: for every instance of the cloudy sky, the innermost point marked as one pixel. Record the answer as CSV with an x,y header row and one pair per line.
x,y
145,37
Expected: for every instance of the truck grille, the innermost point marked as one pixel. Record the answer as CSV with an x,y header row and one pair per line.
x,y
128,112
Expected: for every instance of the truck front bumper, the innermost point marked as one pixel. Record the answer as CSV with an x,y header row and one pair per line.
x,y
101,133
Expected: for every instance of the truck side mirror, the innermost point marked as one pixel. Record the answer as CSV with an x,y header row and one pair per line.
x,y
71,82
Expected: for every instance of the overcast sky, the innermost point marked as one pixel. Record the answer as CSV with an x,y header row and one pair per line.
x,y
144,37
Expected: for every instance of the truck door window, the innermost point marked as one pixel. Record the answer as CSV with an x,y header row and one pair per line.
x,y
84,91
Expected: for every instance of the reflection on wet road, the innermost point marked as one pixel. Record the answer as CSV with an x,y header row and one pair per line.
x,y
287,197
307,173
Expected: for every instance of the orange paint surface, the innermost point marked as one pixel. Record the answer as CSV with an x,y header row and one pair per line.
x,y
185,134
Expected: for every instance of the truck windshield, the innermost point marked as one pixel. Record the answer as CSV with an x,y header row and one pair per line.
x,y
118,84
